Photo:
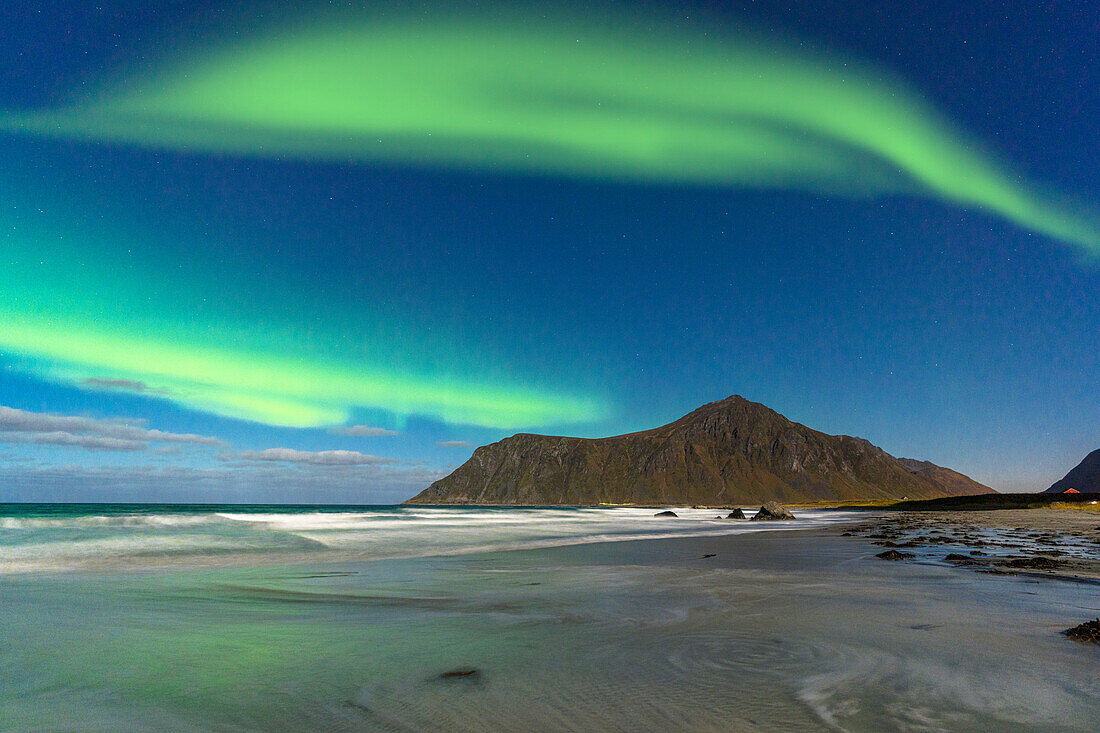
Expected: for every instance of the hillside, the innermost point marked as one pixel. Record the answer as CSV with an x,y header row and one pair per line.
x,y
953,482
1085,477
728,452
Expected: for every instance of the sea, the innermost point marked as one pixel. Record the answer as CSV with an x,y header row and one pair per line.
x,y
400,618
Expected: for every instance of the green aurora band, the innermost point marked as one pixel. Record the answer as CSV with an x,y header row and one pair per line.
x,y
500,97
81,305
272,388
602,104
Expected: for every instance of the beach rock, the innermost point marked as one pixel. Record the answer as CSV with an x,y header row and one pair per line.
x,y
960,561
1087,632
772,510
666,514
459,673
736,514
1032,563
894,555
356,705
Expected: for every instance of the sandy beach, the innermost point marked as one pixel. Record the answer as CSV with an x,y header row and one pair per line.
x,y
746,631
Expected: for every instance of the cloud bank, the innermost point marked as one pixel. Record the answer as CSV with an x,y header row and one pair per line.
x,y
270,475
313,458
37,428
363,431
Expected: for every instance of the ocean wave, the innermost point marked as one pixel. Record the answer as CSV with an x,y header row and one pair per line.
x,y
108,521
32,543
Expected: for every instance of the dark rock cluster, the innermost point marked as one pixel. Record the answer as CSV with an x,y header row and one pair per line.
x,y
894,555
1088,632
996,551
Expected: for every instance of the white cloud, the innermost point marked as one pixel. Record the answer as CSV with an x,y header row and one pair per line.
x,y
159,436
455,444
313,458
39,428
362,431
72,440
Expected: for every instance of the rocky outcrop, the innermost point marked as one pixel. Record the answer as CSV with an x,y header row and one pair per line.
x,y
772,511
1087,632
894,555
728,452
1085,478
737,513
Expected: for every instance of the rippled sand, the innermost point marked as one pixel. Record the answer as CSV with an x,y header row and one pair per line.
x,y
777,631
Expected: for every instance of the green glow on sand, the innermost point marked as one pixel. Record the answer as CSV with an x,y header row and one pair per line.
x,y
602,104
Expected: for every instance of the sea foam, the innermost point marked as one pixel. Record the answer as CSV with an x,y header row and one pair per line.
x,y
231,535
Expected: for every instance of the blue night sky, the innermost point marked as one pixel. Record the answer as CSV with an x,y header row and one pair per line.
x,y
320,253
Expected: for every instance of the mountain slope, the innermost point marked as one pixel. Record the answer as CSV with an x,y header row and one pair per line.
x,y
953,482
728,452
1085,477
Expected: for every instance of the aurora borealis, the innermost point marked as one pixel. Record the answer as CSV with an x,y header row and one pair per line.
x,y
81,314
449,226
498,95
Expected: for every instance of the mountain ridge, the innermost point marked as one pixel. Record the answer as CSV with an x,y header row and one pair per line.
x,y
1084,477
731,451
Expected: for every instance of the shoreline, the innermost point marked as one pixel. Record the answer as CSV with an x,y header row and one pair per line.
x,y
997,535
1055,542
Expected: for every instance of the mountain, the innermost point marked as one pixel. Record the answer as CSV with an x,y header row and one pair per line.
x,y
728,452
953,482
1085,478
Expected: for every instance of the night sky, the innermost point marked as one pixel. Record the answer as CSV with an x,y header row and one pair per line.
x,y
256,252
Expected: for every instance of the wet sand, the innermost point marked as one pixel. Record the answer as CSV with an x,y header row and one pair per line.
x,y
794,630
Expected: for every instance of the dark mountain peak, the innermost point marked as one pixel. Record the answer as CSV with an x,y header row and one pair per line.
x,y
725,452
733,409
1085,477
734,404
